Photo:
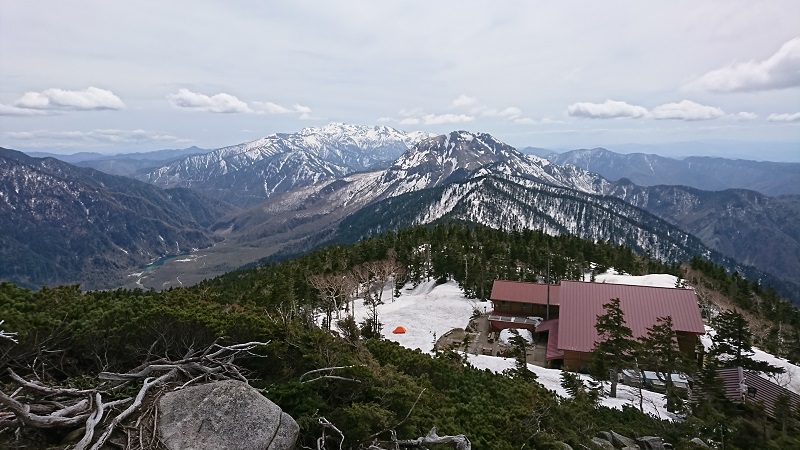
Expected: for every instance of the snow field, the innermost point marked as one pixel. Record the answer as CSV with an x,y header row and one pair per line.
x,y
429,309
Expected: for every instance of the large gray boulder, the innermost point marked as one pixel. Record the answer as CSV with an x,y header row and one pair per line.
x,y
651,443
621,441
224,415
602,443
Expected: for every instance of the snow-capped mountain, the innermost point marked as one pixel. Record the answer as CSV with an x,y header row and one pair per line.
x,y
511,202
462,154
249,173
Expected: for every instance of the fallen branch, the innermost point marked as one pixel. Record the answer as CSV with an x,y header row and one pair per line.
x,y
333,377
66,408
22,412
460,442
148,383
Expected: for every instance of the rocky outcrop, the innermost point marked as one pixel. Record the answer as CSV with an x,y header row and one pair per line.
x,y
224,415
610,440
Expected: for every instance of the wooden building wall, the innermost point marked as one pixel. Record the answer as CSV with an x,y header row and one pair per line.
x,y
523,309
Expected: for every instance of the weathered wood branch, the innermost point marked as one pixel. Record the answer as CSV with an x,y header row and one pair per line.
x,y
47,390
8,335
66,408
23,413
460,442
329,369
148,383
327,425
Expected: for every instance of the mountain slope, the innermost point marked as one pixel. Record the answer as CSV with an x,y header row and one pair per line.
x,y
250,173
752,228
707,173
64,224
518,203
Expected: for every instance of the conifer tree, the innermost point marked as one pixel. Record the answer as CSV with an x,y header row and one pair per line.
x,y
613,352
519,347
661,353
733,344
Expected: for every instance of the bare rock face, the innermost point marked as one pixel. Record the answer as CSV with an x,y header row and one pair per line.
x,y
224,415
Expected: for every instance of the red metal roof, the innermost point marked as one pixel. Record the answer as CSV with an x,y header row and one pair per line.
x,y
741,385
582,302
524,292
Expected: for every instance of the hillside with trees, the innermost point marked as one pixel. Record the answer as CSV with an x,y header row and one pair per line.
x,y
66,337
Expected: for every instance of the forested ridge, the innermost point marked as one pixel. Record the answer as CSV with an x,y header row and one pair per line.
x,y
66,337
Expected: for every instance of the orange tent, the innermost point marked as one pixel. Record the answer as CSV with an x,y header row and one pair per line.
x,y
399,330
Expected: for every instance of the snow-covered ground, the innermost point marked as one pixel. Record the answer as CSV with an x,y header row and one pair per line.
x,y
427,311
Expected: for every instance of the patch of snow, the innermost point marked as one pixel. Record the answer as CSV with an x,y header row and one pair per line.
x,y
429,310
505,335
655,279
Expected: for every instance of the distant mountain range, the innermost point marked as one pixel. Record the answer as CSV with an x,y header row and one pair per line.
x,y
747,226
341,182
706,173
473,177
126,164
60,223
250,173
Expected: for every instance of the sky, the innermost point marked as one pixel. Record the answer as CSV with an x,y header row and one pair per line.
x,y
133,76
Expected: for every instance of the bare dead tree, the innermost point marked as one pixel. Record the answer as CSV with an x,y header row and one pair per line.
x,y
335,291
37,405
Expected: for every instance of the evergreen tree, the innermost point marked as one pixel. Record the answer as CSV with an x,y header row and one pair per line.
x,y
613,352
519,347
733,344
661,353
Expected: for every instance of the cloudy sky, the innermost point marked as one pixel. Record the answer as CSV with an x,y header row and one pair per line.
x,y
127,76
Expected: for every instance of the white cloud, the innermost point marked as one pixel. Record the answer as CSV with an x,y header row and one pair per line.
x,y
439,119
464,101
113,136
686,110
8,110
274,108
409,121
53,100
88,99
218,103
745,115
779,71
305,111
784,117
512,112
610,109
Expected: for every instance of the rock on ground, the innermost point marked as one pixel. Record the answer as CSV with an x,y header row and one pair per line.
x,y
224,415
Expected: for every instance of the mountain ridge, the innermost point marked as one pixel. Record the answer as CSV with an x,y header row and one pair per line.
x,y
66,224
701,172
